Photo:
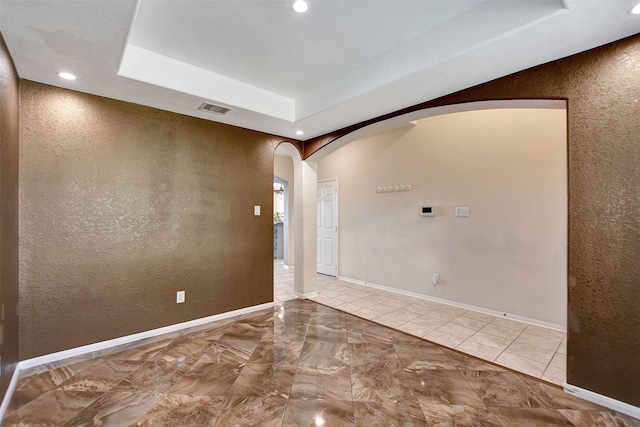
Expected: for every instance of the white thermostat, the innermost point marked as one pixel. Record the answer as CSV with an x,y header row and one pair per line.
x,y
427,211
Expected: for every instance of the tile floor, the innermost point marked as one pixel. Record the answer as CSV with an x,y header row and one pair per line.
x,y
533,350
298,364
282,282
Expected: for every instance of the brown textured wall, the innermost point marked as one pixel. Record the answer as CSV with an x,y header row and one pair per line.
x,y
602,87
123,205
8,215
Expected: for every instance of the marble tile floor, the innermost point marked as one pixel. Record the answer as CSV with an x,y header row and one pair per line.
x,y
533,350
297,364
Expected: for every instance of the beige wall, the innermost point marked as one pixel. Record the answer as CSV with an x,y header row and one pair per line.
x,y
123,205
507,166
283,167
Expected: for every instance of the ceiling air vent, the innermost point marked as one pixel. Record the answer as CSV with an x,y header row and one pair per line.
x,y
212,108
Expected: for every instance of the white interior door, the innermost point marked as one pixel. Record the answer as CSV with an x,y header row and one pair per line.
x,y
327,225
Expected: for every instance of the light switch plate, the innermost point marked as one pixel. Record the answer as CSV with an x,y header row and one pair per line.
x,y
180,297
256,210
462,211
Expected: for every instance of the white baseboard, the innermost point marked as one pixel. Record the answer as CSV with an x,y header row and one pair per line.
x,y
78,351
9,393
598,399
306,295
516,317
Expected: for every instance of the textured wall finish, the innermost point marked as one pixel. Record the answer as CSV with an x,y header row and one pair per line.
x,y
123,205
8,214
602,87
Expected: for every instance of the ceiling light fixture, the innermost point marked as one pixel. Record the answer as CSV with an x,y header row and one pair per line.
x,y
67,76
300,6
299,132
635,10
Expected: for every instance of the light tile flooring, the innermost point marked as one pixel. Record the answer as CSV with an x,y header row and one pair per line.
x,y
533,350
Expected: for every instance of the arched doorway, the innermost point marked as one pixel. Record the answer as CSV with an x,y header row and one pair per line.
x,y
386,251
284,187
301,224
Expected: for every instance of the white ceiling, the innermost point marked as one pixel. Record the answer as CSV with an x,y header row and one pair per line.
x,y
340,63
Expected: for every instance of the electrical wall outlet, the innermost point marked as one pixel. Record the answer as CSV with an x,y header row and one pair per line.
x,y
180,297
435,279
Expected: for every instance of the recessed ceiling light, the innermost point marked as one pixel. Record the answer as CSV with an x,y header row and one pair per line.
x,y
300,6
67,76
299,132
635,10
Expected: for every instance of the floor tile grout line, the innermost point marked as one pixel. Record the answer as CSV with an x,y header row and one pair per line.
x,y
405,299
447,351
353,397
477,356
441,345
551,360
304,340
510,346
407,378
528,358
